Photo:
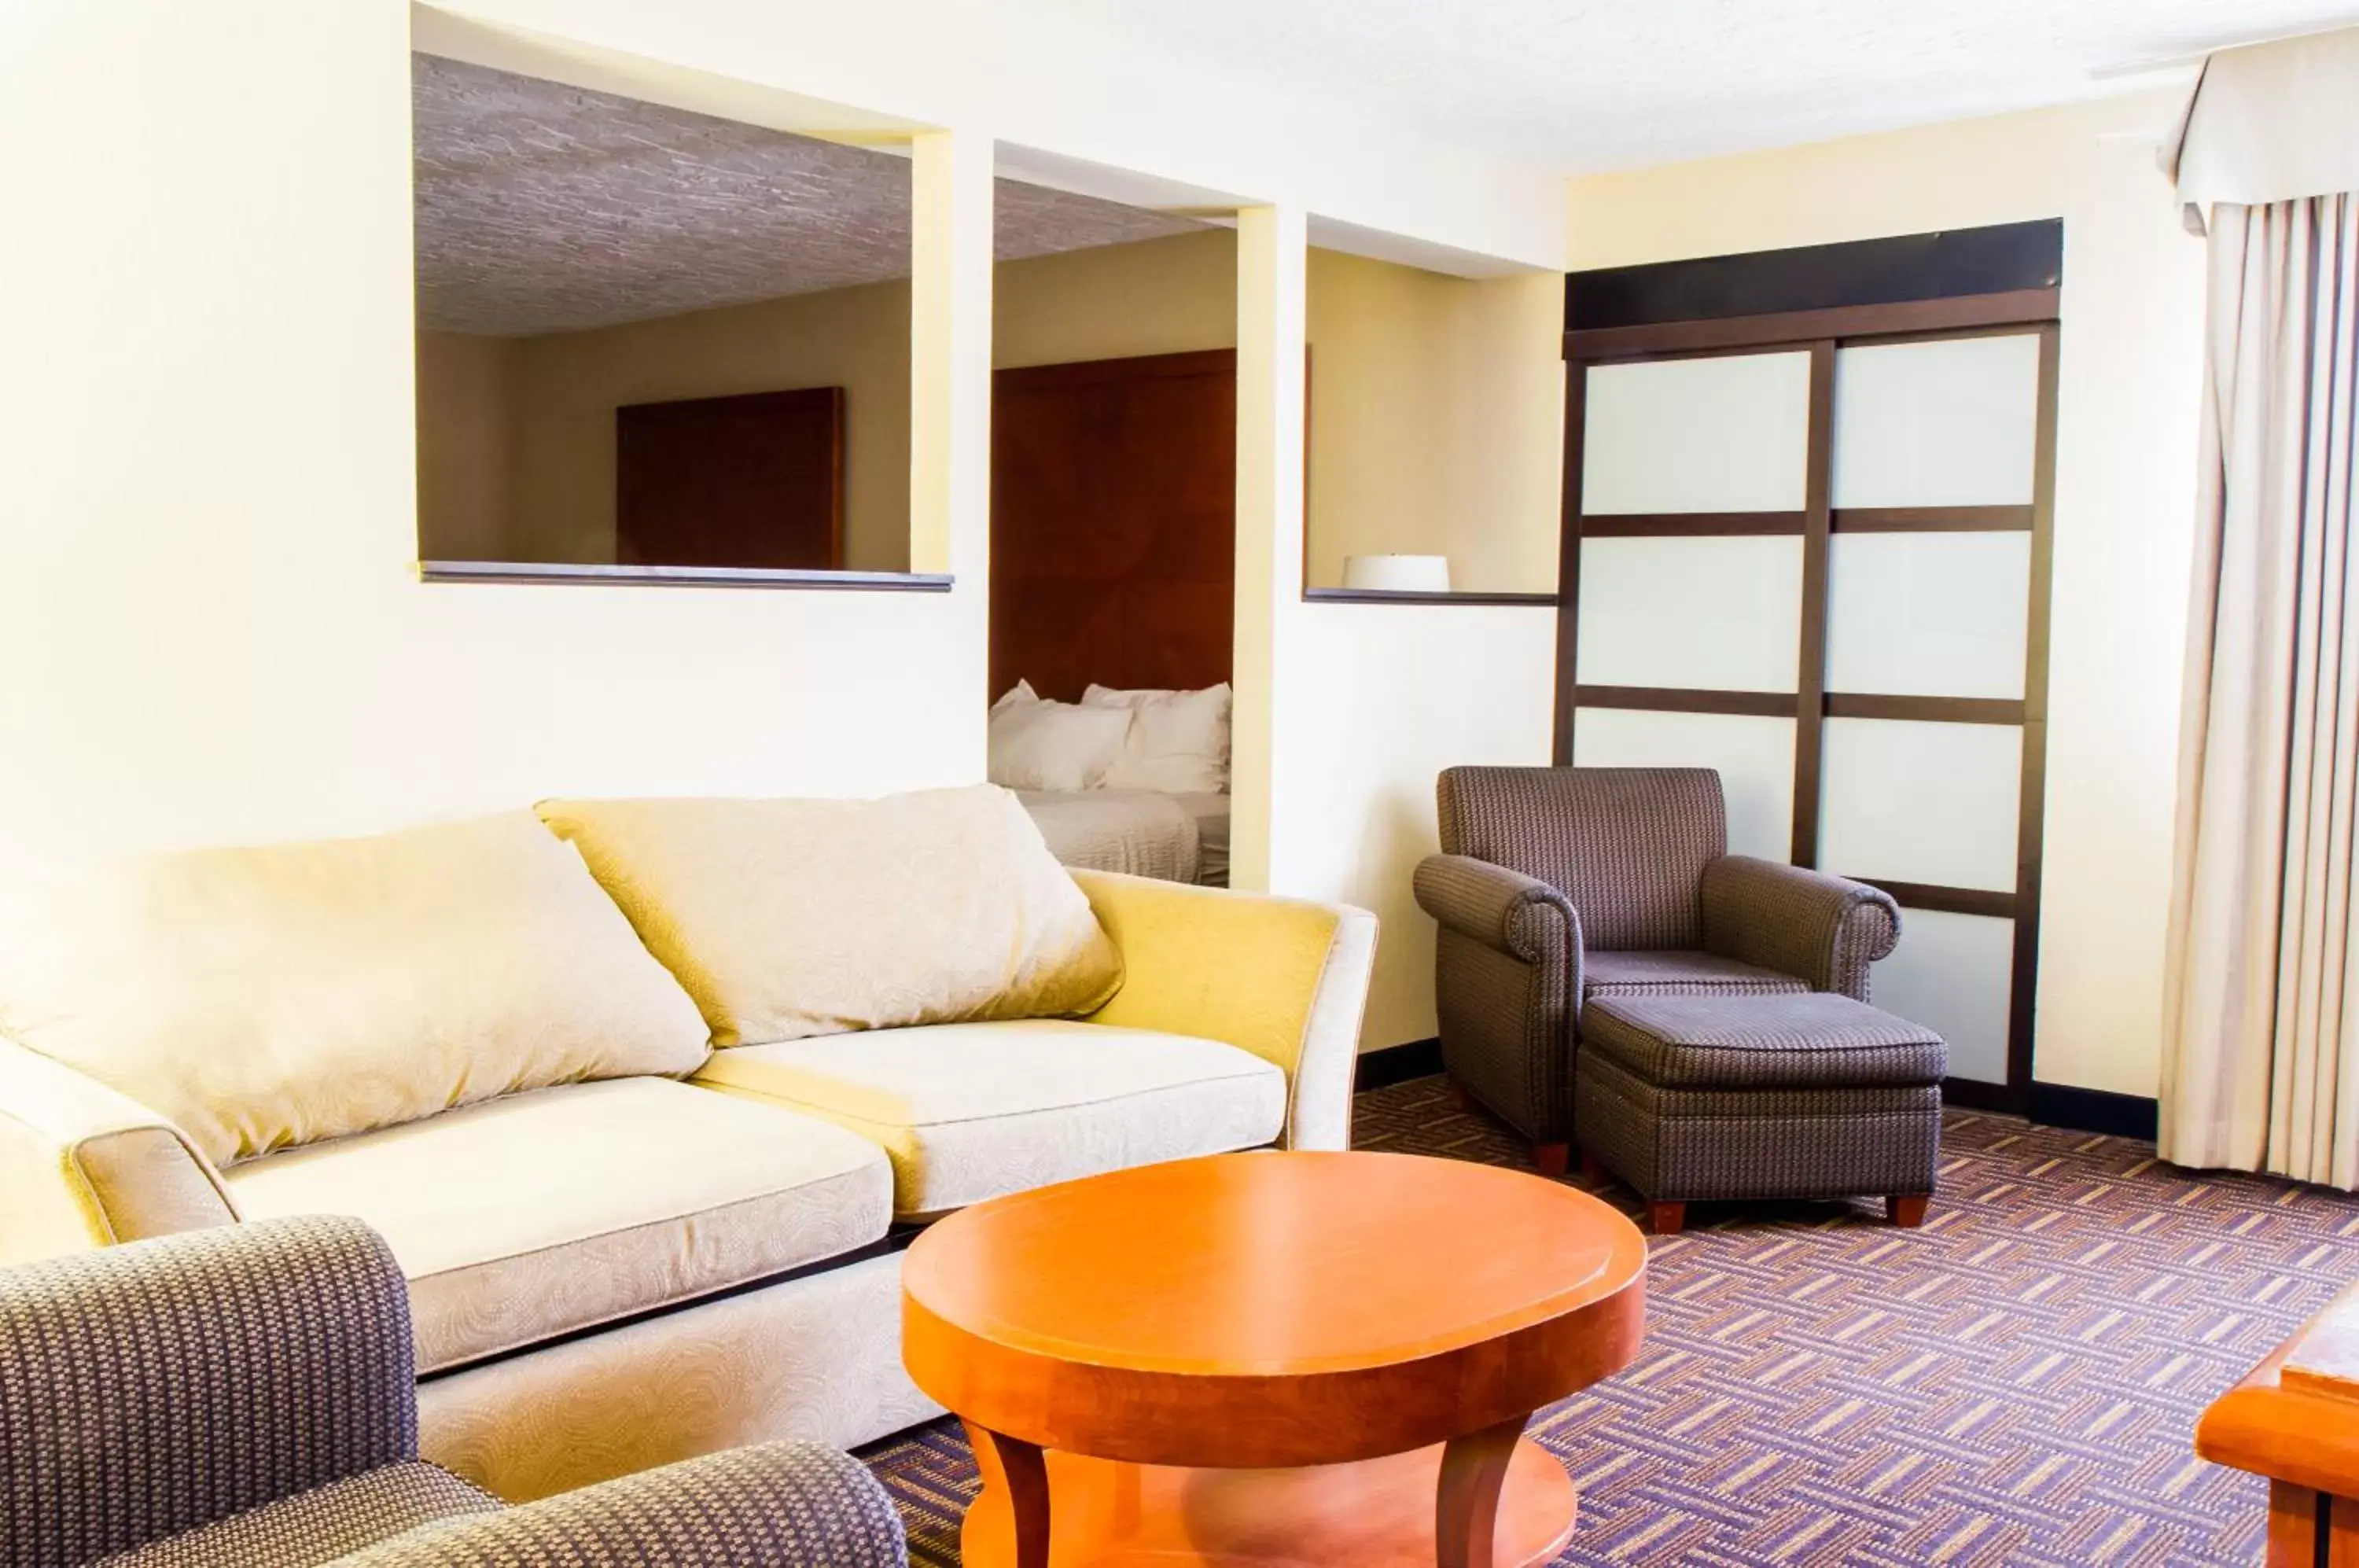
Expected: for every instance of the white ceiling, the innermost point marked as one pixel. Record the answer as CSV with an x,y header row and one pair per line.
x,y
542,208
1590,84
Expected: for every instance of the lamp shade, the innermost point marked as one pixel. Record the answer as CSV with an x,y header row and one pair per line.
x,y
1398,573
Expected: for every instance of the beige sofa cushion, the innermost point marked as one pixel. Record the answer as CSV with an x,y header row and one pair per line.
x,y
970,1111
556,1210
787,918
263,998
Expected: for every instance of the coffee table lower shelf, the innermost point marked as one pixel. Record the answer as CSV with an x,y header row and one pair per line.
x,y
1377,1513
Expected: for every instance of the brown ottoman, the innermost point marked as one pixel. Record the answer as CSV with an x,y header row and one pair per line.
x,y
1807,1096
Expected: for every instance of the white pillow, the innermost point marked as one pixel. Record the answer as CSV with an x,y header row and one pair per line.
x,y
1054,746
792,918
1179,741
284,995
1020,692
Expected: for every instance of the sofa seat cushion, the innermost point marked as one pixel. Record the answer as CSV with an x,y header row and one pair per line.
x,y
531,1216
1670,971
970,1111
1815,1041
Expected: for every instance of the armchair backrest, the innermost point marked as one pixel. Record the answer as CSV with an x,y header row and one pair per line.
x,y
1627,846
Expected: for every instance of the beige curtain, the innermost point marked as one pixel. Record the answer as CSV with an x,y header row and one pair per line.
x,y
2260,1065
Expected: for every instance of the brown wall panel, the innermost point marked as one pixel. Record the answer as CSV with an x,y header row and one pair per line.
x,y
1113,523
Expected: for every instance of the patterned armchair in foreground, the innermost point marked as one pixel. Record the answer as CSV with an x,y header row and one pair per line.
x,y
246,1395
1560,885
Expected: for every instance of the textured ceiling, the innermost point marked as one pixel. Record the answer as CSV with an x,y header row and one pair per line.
x,y
542,208
1590,84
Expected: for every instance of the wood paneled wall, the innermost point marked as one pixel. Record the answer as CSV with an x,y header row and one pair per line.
x,y
1113,523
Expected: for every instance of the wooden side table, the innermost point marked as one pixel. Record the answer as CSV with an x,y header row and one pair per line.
x,y
1265,1358
2295,1419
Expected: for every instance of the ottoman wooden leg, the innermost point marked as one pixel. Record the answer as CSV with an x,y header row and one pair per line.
x,y
1592,1171
1552,1159
1460,1100
1665,1219
1908,1213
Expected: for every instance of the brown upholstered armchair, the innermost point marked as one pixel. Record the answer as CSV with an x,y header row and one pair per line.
x,y
1555,885
246,1395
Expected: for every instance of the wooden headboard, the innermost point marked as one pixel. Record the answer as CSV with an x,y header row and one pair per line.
x,y
751,479
1113,523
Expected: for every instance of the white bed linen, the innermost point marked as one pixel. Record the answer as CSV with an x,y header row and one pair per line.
x,y
1140,833
1212,813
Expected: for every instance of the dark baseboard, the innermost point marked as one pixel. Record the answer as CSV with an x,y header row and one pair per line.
x,y
2059,1106
1971,1094
1398,1064
2095,1110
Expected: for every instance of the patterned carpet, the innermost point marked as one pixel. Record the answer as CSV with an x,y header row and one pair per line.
x,y
2016,1383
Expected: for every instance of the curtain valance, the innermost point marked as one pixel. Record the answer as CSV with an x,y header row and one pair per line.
x,y
2269,123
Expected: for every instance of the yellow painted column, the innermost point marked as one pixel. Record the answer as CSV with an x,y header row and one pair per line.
x,y
1272,281
949,386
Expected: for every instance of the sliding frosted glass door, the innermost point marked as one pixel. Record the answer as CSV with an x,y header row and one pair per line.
x,y
1695,477
1820,567
1936,565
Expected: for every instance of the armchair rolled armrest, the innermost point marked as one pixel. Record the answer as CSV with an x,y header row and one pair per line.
x,y
1520,916
1285,979
84,1166
181,1380
779,1505
1822,929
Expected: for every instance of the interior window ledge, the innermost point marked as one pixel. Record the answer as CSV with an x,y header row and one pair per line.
x,y
1408,597
683,576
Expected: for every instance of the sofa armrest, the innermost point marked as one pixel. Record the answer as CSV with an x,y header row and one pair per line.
x,y
85,1166
150,1388
780,1504
1285,979
1505,910
1822,929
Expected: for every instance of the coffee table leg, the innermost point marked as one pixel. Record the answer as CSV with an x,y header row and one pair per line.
x,y
1019,1472
1467,1505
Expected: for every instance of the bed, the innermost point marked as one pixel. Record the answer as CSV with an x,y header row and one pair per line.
x,y
1141,832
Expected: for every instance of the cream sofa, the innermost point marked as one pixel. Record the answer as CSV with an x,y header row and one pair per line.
x,y
624,1245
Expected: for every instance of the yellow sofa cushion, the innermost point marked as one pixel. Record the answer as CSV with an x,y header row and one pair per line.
x,y
540,1215
787,919
263,998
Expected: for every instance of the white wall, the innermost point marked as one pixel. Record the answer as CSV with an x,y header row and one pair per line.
x,y
210,628
2129,380
1376,700
210,625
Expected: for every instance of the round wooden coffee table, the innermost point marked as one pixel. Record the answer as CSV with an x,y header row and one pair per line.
x,y
1265,1358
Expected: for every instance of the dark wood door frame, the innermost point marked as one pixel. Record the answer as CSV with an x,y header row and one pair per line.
x,y
1820,332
